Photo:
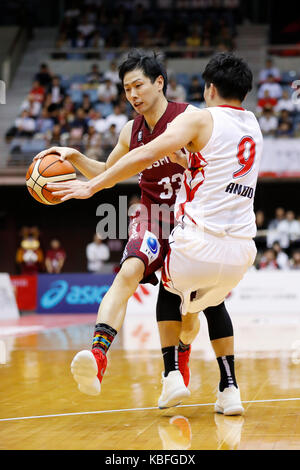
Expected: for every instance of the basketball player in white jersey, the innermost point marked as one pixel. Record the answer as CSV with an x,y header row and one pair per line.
x,y
212,246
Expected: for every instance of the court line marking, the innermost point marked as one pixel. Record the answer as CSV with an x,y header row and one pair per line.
x,y
81,413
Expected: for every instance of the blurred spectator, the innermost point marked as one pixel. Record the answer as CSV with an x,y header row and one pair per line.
x,y
97,41
43,122
37,91
268,122
282,258
86,28
97,253
68,105
107,91
24,125
285,102
56,91
295,261
266,102
113,74
285,129
118,118
194,38
53,136
273,235
261,225
297,130
95,76
44,76
195,90
98,121
285,124
79,41
29,256
288,230
80,121
55,257
33,107
86,104
175,91
92,141
110,138
275,90
268,260
225,39
269,70
279,216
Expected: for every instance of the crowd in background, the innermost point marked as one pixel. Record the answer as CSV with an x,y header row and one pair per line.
x,y
88,111
277,109
87,114
278,240
148,23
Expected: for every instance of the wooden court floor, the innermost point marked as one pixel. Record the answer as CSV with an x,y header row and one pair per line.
x,y
41,408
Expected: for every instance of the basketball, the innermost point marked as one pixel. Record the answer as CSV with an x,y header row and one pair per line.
x,y
46,170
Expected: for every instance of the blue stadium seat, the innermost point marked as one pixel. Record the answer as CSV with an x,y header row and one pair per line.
x,y
288,77
93,94
76,96
104,108
78,78
183,79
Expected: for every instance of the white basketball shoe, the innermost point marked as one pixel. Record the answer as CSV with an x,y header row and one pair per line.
x,y
174,390
85,369
229,402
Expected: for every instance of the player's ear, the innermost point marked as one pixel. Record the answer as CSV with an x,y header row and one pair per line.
x,y
160,82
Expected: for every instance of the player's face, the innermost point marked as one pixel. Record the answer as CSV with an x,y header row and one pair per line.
x,y
141,93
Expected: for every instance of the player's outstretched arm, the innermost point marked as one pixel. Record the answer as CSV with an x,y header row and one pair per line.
x,y
87,166
184,130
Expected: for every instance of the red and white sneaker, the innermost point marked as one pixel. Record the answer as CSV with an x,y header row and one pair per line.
x,y
183,365
88,368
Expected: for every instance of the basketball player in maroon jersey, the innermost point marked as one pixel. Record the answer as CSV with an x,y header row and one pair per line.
x,y
145,83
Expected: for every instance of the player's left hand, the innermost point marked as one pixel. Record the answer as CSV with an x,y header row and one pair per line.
x,y
71,189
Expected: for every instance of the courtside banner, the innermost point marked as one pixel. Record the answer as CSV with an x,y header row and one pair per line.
x,y
266,292
72,293
281,158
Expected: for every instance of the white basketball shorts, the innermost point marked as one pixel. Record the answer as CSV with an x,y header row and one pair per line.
x,y
203,268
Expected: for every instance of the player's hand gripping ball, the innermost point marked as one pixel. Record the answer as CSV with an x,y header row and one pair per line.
x,y
50,169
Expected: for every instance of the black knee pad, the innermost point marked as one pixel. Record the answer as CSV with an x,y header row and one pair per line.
x,y
218,321
167,306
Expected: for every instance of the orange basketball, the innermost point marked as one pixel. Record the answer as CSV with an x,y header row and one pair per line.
x,y
46,170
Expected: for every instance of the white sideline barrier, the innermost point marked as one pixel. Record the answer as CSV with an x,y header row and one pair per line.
x,y
264,308
8,306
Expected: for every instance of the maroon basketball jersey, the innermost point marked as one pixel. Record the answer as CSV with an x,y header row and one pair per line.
x,y
159,183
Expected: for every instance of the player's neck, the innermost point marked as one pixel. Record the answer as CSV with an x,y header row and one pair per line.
x,y
231,103
155,112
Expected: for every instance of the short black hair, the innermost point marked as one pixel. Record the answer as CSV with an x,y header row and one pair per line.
x,y
149,63
231,75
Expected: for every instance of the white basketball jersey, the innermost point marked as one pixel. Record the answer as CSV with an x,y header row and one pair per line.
x,y
218,187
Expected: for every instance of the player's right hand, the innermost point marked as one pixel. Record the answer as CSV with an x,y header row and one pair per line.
x,y
64,153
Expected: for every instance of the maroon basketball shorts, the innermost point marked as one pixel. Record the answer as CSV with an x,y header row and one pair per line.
x,y
148,241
